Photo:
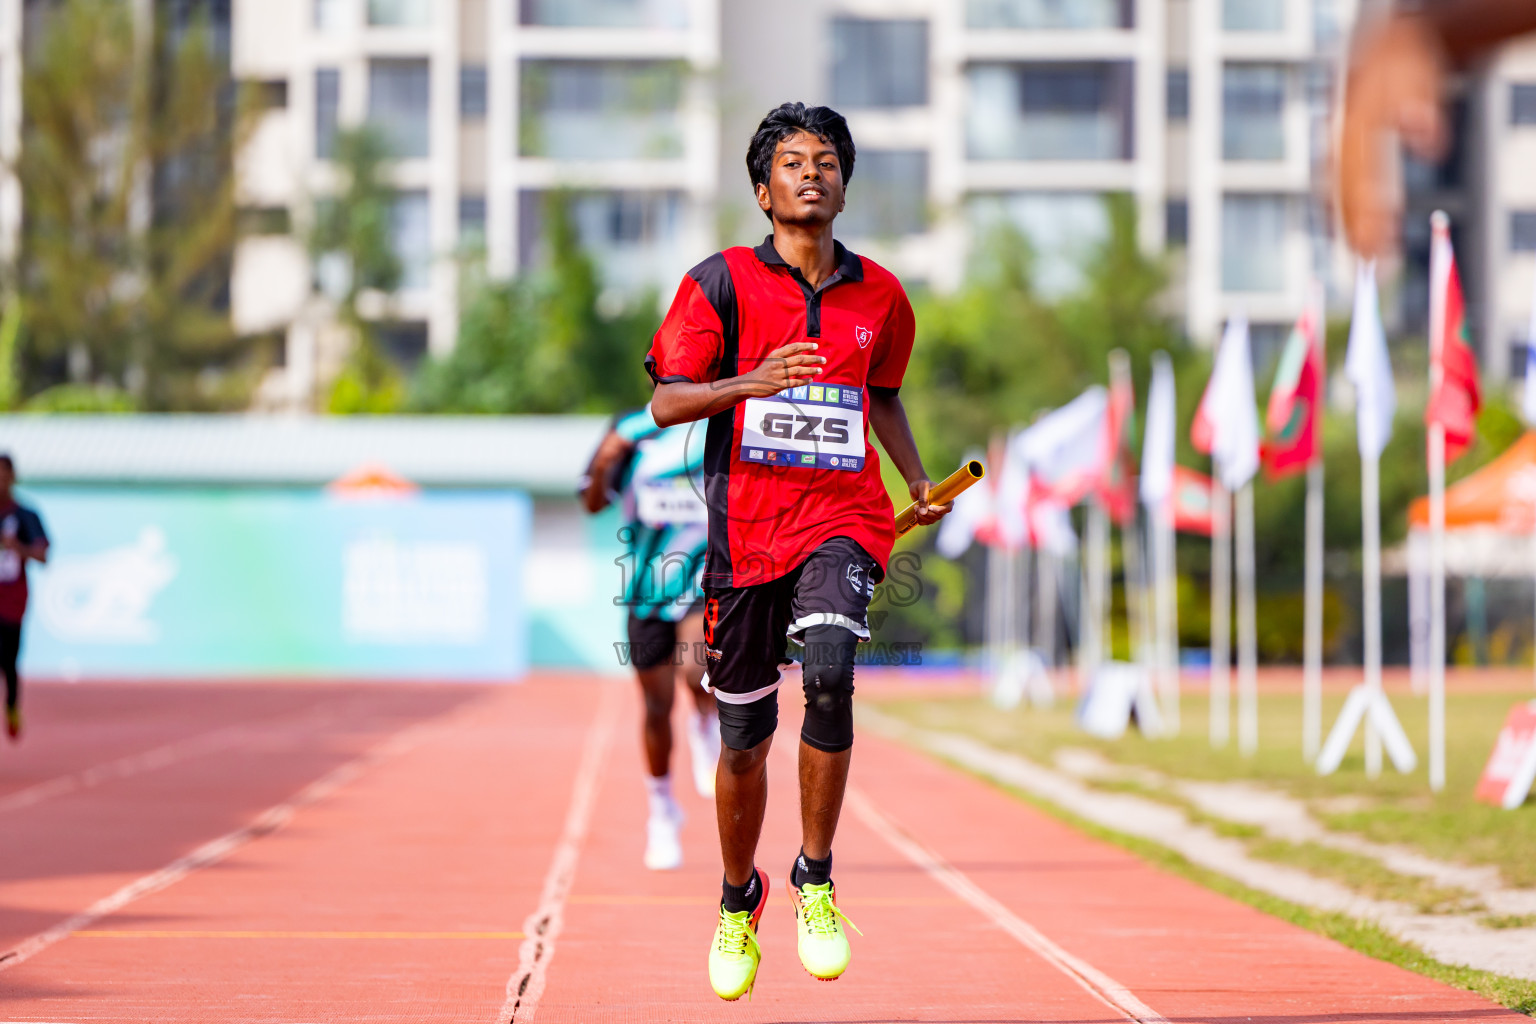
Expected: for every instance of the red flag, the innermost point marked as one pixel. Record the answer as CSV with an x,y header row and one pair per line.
x,y
1295,402
1190,501
1454,398
1116,487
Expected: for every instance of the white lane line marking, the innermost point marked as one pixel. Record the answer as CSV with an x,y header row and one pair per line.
x,y
1093,981
215,850
542,927
157,757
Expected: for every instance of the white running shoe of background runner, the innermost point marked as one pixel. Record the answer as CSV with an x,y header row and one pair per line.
x,y
663,848
703,750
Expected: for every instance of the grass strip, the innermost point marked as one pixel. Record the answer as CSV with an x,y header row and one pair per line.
x,y
1362,936
1367,877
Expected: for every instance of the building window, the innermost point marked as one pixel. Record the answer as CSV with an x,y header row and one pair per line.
x,y
595,109
1253,112
410,232
1064,231
634,237
271,93
1254,230
400,13
1522,103
879,63
888,196
472,221
1178,94
472,98
1049,14
265,220
1176,223
1522,231
1253,15
327,107
404,344
1036,111
399,105
328,14
671,14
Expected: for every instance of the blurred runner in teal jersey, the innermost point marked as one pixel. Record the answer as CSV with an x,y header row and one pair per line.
x,y
650,471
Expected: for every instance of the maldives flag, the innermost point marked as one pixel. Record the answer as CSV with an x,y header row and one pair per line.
x,y
1454,398
1190,501
1295,402
1117,483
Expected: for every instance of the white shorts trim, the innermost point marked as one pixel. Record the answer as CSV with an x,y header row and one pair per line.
x,y
803,623
743,698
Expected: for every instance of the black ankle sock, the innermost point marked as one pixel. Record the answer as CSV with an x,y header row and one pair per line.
x,y
737,898
809,871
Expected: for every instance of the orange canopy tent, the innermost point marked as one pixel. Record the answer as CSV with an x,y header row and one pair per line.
x,y
1501,495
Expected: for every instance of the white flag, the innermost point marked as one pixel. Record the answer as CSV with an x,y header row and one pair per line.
x,y
1157,444
1064,449
1369,368
1230,408
1528,397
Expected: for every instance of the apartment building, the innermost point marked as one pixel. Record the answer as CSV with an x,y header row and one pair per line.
x,y
1212,115
489,106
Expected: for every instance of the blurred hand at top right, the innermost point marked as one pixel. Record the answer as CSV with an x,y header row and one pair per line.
x,y
1392,92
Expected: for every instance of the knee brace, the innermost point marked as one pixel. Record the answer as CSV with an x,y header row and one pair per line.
x,y
828,677
744,726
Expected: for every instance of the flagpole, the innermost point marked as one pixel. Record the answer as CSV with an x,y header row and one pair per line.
x,y
1370,508
1221,609
1045,607
1439,281
1247,628
1168,615
1312,642
1437,607
1312,622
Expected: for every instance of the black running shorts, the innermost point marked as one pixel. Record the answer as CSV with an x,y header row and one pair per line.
x,y
654,642
747,629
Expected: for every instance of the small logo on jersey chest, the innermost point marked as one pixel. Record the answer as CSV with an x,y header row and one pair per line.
x,y
863,335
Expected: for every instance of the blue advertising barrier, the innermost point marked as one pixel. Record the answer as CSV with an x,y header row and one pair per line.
x,y
244,582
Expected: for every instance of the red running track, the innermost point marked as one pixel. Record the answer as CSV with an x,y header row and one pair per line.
x,y
311,853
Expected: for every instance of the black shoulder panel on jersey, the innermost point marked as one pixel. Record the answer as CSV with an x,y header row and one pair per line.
x,y
714,280
713,277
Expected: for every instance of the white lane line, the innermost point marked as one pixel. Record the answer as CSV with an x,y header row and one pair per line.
x,y
1092,980
215,850
157,757
542,927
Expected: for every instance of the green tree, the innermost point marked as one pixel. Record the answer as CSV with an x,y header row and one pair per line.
x,y
126,170
996,354
352,244
540,342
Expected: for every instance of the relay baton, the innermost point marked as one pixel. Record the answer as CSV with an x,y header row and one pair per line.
x,y
942,492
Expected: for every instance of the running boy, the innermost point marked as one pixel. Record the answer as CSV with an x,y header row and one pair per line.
x,y
650,470
22,540
791,350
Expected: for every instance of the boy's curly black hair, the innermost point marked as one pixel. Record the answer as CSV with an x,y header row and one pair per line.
x,y
787,119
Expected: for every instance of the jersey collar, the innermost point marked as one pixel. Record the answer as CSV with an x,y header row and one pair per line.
x,y
849,266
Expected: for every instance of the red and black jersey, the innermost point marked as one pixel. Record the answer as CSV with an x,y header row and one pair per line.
x,y
781,475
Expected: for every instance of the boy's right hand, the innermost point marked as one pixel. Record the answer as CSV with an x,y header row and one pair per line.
x,y
785,367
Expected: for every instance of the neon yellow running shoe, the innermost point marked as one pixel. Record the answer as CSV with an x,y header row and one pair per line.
x,y
824,951
734,954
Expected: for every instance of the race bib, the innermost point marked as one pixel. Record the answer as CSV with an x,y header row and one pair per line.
x,y
671,502
811,426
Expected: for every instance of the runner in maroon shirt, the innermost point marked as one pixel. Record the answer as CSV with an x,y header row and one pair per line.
x,y
791,350
22,539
